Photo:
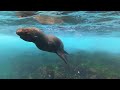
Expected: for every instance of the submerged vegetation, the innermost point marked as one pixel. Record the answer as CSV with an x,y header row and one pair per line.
x,y
82,65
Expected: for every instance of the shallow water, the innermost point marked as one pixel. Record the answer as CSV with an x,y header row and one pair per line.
x,y
92,39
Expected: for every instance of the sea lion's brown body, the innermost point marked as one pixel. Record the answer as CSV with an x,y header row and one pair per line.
x,y
50,46
44,42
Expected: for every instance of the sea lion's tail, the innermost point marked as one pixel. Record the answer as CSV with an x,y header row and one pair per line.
x,y
62,54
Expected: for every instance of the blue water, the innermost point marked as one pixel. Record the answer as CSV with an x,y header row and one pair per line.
x,y
88,31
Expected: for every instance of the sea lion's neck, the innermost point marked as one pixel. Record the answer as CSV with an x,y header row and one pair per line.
x,y
41,38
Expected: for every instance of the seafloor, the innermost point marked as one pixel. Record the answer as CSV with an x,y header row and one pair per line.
x,y
81,65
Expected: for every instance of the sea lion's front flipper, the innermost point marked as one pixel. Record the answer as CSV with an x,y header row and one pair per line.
x,y
62,55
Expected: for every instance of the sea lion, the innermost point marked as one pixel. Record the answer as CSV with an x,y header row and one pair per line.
x,y
22,14
44,42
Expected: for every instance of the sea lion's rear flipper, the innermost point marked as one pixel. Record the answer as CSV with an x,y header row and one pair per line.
x,y
66,52
62,55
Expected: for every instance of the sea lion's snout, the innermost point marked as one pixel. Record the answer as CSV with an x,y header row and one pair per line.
x,y
18,32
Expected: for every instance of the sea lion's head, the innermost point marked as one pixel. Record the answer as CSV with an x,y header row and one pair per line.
x,y
28,34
